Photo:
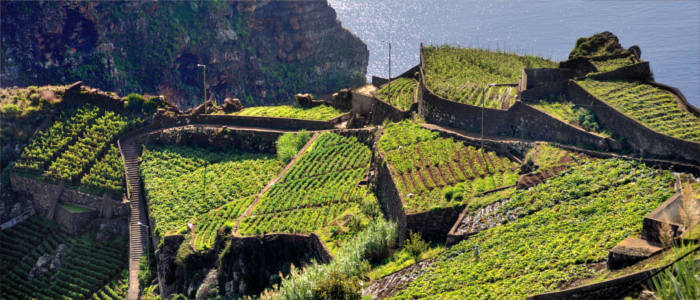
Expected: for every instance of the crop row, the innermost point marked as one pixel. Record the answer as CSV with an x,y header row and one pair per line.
x,y
209,224
325,178
460,74
182,183
425,164
105,176
553,244
655,108
567,111
77,157
612,64
319,113
399,93
68,127
115,289
304,220
85,268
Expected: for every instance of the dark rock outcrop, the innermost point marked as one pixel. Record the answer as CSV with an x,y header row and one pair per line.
x,y
260,51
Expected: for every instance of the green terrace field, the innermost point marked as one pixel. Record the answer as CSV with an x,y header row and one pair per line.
x,y
182,183
546,157
209,224
460,74
612,64
436,172
569,222
86,268
320,186
319,113
400,93
79,142
655,108
567,111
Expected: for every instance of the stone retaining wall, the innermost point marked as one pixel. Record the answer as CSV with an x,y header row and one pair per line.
x,y
639,72
643,140
46,195
218,138
435,224
74,223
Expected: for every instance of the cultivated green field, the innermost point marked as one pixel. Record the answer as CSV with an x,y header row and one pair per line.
x,y
436,172
320,186
402,93
460,74
570,221
655,108
183,182
86,268
319,113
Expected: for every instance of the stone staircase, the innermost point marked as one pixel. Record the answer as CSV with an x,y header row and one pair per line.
x,y
138,235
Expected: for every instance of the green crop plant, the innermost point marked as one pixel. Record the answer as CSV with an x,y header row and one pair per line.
x,y
399,93
183,182
569,112
318,113
86,267
460,74
653,107
612,64
432,171
320,186
209,224
569,222
105,176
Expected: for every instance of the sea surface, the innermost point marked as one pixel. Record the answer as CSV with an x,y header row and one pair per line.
x,y
668,32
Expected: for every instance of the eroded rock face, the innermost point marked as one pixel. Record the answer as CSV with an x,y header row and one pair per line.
x,y
259,51
46,264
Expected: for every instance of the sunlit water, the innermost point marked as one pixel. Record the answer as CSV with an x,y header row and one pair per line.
x,y
668,32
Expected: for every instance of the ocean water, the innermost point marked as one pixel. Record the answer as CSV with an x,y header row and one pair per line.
x,y
668,32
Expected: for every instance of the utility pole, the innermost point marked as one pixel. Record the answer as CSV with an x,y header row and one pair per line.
x,y
204,77
389,43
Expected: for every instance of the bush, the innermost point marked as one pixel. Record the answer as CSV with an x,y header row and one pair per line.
x,y
289,144
133,102
11,111
415,245
337,286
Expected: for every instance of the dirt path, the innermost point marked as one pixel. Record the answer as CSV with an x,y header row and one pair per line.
x,y
249,210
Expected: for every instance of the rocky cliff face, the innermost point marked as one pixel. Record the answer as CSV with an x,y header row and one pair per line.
x,y
259,51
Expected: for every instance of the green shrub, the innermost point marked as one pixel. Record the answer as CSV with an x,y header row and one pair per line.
x,y
415,245
289,144
337,286
11,111
133,102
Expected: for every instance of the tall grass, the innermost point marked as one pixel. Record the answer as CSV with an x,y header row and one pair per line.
x,y
681,281
371,244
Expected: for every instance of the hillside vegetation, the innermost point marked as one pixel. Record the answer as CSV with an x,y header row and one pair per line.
x,y
571,222
653,107
184,182
78,148
319,113
460,74
320,186
400,93
431,171
85,268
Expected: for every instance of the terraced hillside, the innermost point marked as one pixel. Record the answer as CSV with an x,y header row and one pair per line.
x,y
436,172
322,185
400,93
653,107
184,182
611,64
78,150
565,110
85,267
460,74
319,113
570,222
